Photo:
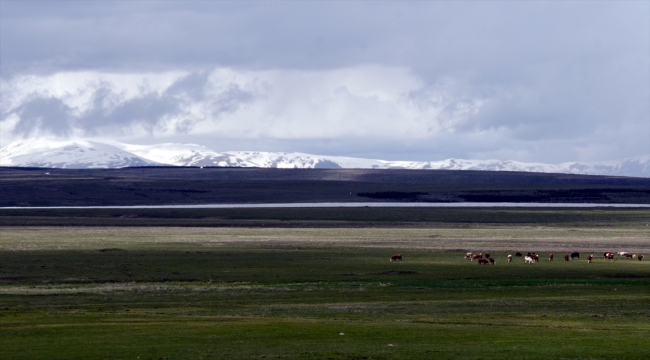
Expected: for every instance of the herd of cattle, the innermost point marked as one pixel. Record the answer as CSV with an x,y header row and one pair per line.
x,y
531,258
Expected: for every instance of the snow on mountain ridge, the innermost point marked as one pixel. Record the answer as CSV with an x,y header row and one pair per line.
x,y
91,154
185,155
72,154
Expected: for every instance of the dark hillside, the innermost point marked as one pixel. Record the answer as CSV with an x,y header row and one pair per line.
x,y
363,175
157,186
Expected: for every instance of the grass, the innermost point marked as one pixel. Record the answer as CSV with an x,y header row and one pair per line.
x,y
255,293
332,217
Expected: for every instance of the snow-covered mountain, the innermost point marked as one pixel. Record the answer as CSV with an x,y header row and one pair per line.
x,y
91,154
186,155
71,154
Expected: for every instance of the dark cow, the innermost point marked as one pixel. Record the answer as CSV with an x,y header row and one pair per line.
x,y
396,257
518,254
482,261
492,262
487,255
566,257
575,255
640,257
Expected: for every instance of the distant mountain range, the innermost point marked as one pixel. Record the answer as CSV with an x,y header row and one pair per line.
x,y
79,154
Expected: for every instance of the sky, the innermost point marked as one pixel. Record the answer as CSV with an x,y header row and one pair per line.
x,y
530,81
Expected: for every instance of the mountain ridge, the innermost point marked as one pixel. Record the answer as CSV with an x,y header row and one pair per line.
x,y
81,154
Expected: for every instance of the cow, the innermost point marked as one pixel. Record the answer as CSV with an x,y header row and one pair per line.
x,y
575,255
550,257
487,255
535,257
476,256
608,256
628,256
396,257
566,257
589,258
468,256
482,261
622,253
509,258
518,254
528,260
640,257
492,262
529,254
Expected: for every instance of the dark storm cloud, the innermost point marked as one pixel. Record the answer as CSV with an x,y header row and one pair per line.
x,y
145,110
192,85
47,115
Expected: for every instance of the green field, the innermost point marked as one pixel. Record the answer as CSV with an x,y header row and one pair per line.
x,y
326,292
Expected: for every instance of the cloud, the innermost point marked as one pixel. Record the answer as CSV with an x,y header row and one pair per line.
x,y
541,81
94,104
358,102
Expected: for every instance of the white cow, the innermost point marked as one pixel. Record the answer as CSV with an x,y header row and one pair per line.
x,y
468,256
509,258
528,260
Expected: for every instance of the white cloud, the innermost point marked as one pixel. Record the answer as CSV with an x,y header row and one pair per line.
x,y
367,101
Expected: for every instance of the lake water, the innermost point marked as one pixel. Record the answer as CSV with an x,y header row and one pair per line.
x,y
348,205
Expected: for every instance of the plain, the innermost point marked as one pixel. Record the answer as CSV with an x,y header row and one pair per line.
x,y
327,292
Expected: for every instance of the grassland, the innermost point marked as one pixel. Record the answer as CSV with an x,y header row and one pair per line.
x,y
388,217
324,292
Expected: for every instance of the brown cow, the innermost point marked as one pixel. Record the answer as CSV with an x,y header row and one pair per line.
x,y
566,257
492,262
589,258
476,256
535,257
482,261
640,257
396,257
550,257
487,255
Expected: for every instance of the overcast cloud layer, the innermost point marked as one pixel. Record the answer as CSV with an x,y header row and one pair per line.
x,y
529,81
